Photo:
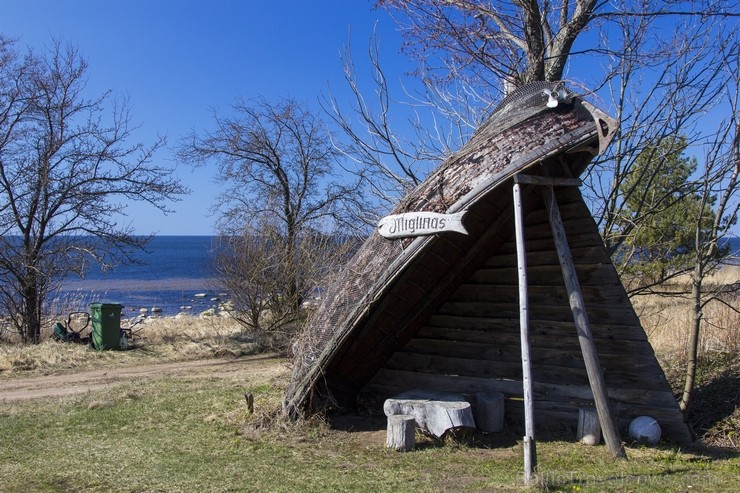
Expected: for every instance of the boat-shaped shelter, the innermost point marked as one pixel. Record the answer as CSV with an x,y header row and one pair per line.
x,y
442,312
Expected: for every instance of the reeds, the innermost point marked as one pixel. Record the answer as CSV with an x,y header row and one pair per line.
x,y
667,320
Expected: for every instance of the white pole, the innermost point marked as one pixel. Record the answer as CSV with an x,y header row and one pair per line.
x,y
530,454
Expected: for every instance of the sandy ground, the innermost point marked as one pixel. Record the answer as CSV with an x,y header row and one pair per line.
x,y
49,386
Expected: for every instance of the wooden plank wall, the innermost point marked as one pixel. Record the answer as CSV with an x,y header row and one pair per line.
x,y
471,343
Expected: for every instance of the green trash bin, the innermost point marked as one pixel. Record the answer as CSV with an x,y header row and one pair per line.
x,y
106,325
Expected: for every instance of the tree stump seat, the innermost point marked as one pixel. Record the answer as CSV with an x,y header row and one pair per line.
x,y
400,433
434,412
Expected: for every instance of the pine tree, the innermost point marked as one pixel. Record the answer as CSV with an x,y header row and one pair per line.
x,y
660,210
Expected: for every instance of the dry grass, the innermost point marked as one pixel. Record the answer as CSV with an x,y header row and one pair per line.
x,y
667,320
164,339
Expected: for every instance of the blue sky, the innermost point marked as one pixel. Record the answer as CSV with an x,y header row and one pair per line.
x,y
178,60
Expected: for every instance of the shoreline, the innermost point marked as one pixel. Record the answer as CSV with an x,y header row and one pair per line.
x,y
168,296
160,284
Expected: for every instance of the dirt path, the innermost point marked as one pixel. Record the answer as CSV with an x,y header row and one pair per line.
x,y
28,388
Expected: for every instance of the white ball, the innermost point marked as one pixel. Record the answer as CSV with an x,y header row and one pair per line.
x,y
645,430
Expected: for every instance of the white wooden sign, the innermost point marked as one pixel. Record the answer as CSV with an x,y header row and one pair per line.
x,y
420,224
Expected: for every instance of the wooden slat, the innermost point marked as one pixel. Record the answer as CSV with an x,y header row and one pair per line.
x,y
567,358
629,332
545,180
541,339
538,295
589,274
423,362
601,314
545,391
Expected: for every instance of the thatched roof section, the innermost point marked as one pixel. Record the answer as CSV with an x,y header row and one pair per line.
x,y
441,312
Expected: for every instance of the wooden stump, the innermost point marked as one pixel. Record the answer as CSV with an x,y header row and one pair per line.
x,y
589,430
489,411
400,435
434,412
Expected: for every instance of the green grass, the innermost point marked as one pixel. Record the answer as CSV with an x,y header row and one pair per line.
x,y
195,435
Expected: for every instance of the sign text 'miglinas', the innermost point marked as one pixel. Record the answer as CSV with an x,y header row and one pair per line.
x,y
420,224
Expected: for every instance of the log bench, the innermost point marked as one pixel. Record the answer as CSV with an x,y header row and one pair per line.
x,y
434,412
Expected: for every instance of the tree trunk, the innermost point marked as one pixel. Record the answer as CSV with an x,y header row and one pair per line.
x,y
535,41
31,297
293,295
693,347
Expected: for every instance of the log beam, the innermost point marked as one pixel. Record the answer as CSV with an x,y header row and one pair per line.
x,y
489,411
585,338
589,430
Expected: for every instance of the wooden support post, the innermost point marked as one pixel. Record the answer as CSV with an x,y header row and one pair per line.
x,y
530,454
400,433
585,338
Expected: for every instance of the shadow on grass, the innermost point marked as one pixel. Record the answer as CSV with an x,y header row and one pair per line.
x,y
715,401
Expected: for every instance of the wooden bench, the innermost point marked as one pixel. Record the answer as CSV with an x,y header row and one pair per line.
x,y
434,412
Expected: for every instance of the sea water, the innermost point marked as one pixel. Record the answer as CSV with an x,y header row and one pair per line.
x,y
173,275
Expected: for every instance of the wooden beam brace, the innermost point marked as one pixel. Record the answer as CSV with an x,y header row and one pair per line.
x,y
547,181
585,338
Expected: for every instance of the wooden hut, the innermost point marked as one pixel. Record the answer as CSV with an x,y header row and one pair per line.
x,y
442,311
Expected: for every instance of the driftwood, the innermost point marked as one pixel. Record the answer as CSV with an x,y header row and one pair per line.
x,y
400,434
434,412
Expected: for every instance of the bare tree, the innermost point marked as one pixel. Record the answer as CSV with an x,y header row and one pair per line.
x,y
718,186
275,162
656,98
387,163
66,171
499,44
472,52
253,268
